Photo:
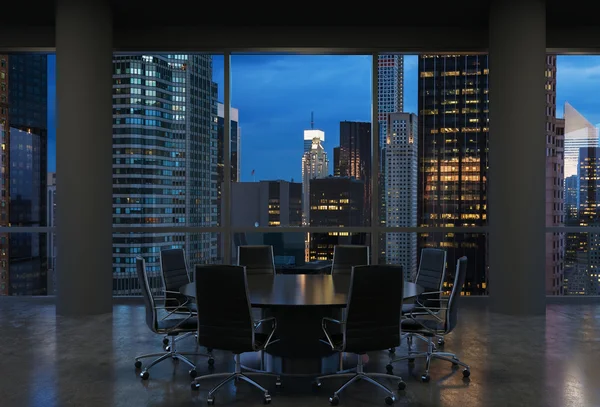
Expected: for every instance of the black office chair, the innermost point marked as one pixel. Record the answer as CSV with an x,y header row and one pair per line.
x,y
175,274
347,256
430,275
258,259
225,322
165,325
372,323
432,325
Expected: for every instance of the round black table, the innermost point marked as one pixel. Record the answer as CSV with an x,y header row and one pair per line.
x,y
299,302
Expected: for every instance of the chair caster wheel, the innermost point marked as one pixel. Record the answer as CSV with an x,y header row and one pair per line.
x,y
210,401
401,385
316,385
167,348
392,350
138,364
193,373
165,341
145,375
211,362
441,342
425,378
267,399
334,400
389,400
389,368
411,360
466,373
195,386
278,382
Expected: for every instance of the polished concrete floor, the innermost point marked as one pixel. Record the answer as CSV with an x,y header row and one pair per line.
x,y
50,361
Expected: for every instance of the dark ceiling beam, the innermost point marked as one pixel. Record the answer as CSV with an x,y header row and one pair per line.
x,y
358,39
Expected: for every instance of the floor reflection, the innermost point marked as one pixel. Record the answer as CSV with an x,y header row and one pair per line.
x,y
51,361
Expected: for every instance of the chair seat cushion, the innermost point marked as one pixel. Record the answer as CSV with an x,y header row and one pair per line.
x,y
191,324
416,326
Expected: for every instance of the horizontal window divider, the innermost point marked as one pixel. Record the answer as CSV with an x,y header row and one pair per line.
x,y
573,229
475,229
181,229
27,229
295,229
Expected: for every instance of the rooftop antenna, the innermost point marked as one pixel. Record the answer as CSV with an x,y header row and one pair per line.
x,y
312,120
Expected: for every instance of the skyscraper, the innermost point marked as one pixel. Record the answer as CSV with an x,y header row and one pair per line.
x,y
390,90
335,202
401,169
579,132
453,158
555,242
589,214
390,99
234,149
355,159
23,116
164,159
311,134
314,165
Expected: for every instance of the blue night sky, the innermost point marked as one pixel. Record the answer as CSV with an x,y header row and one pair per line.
x,y
275,95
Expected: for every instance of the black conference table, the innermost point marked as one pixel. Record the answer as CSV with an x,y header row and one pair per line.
x,y
299,302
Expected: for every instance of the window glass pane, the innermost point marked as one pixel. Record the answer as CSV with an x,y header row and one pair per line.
x,y
306,140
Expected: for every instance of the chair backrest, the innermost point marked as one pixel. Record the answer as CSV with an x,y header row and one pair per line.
x,y
258,259
432,269
459,281
174,269
224,311
347,256
151,317
372,319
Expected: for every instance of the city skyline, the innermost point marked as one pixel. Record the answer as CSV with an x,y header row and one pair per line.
x,y
578,81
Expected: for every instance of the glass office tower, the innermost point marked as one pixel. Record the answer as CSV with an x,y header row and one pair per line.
x,y
453,158
164,160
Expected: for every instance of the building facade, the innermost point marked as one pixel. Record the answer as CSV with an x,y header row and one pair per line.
x,y
555,188
453,159
401,171
23,123
355,159
335,202
314,165
164,160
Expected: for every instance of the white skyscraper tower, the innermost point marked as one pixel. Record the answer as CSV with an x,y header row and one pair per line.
x,y
314,165
401,170
579,132
390,95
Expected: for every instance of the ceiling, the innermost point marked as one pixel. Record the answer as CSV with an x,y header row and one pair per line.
x,y
129,13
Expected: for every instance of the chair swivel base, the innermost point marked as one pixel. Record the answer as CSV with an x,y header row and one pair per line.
x,y
361,375
170,352
429,356
235,376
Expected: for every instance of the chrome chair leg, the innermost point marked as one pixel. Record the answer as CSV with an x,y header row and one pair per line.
x,y
237,375
170,352
430,354
361,375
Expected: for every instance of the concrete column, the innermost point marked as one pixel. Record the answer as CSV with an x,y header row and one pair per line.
x,y
84,157
516,194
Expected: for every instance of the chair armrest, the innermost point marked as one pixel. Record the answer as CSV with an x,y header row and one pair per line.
x,y
190,315
259,322
181,307
427,311
324,328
